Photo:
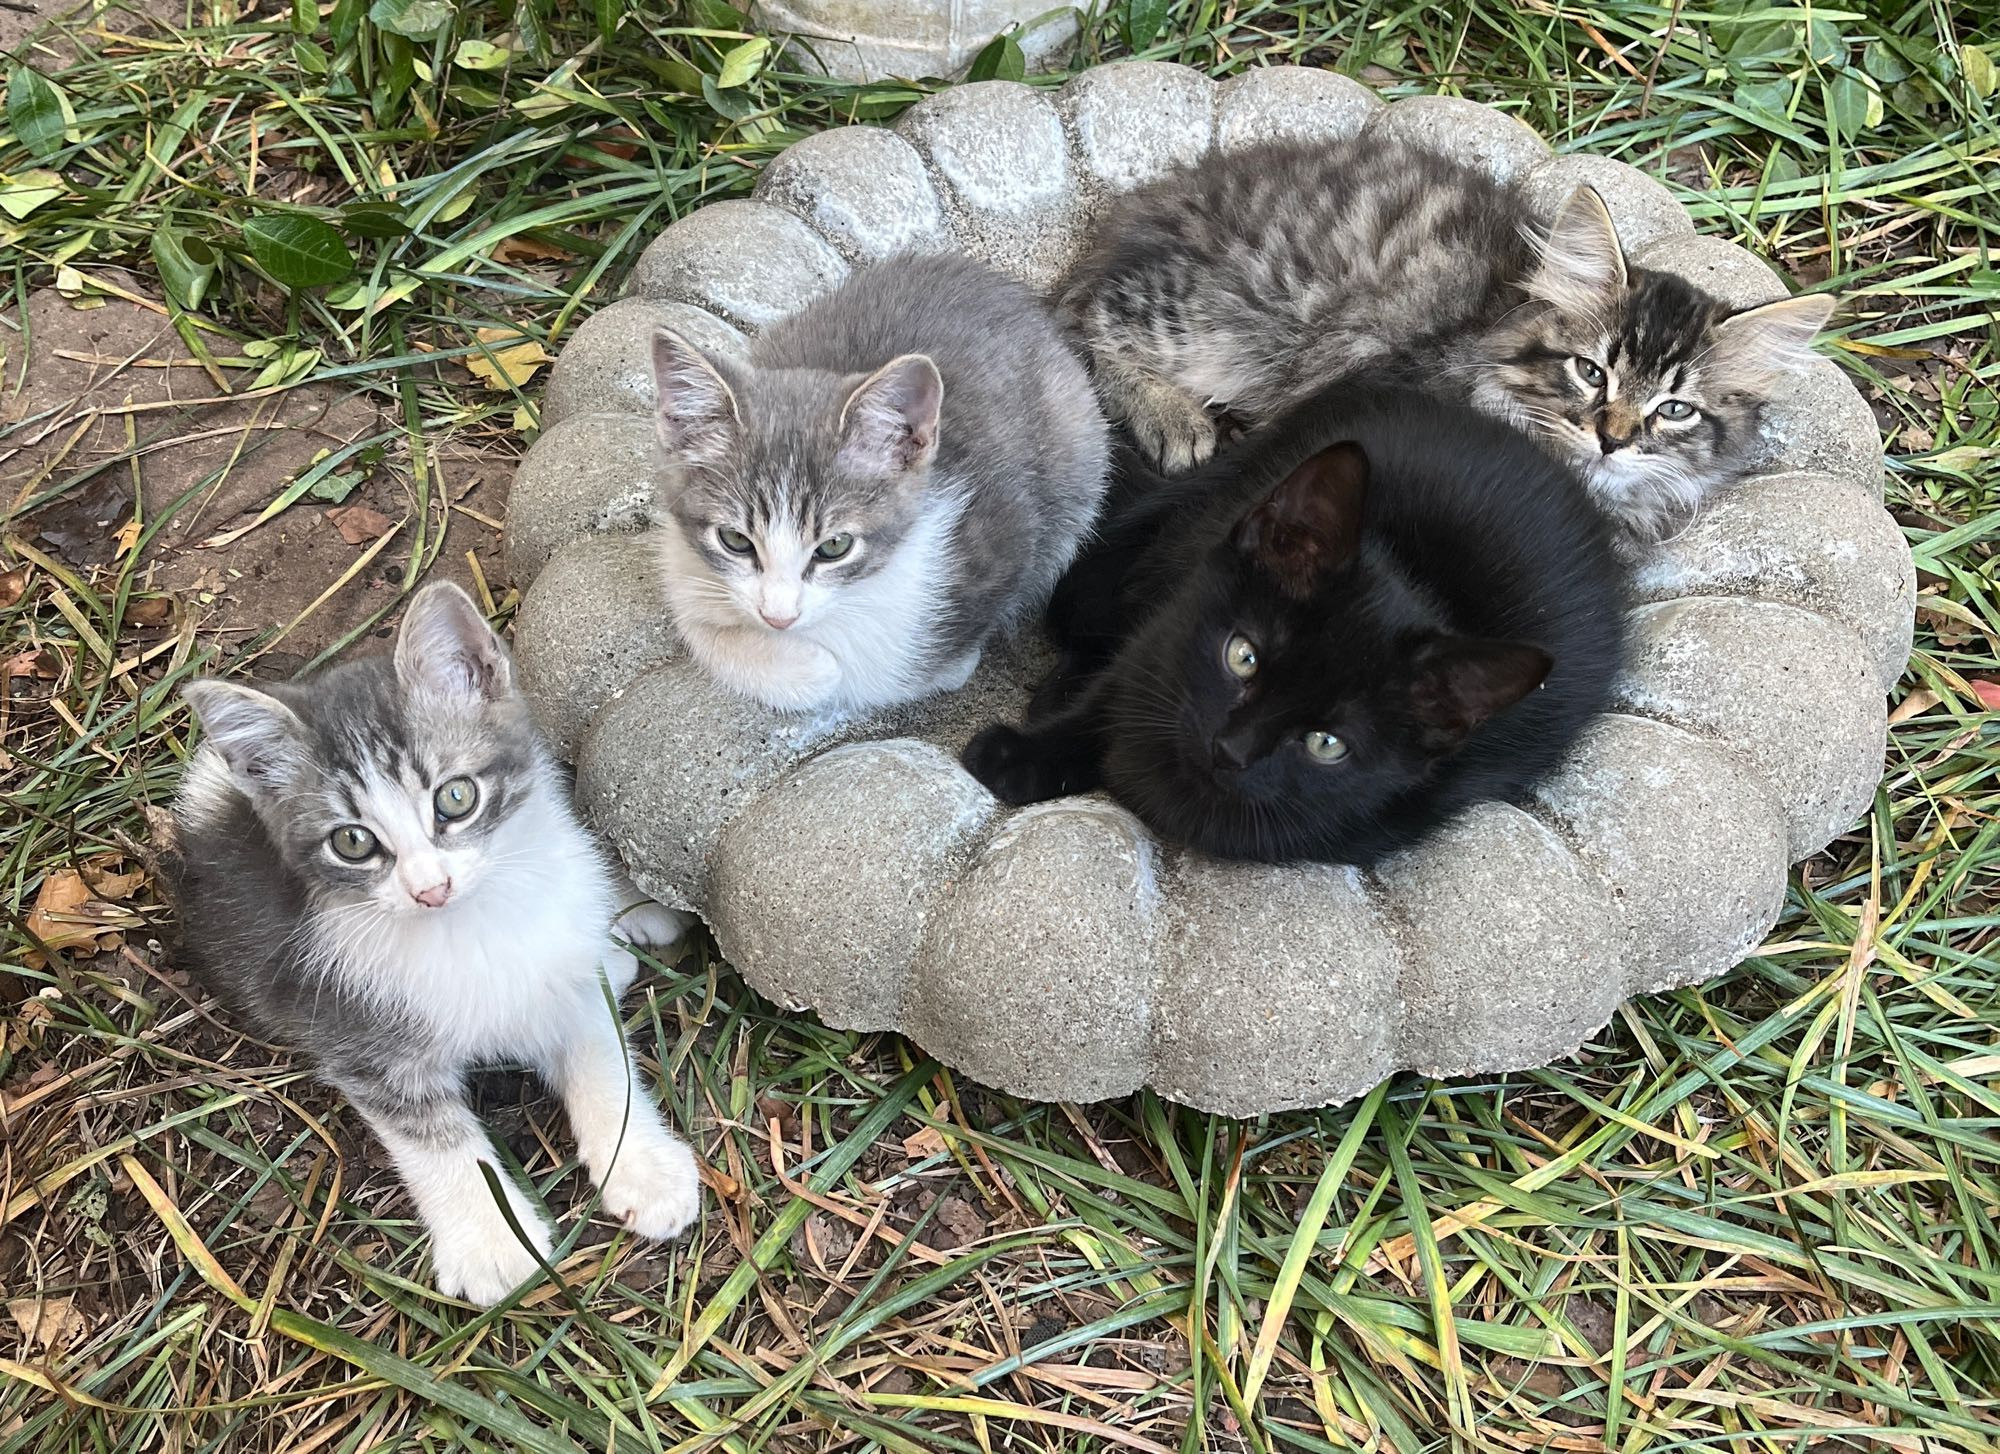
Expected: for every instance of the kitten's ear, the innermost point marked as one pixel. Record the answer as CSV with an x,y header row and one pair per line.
x,y
260,738
889,424
697,414
1582,267
1310,525
447,648
1773,337
1460,681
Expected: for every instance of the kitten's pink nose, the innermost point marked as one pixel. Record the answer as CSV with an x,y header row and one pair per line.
x,y
775,622
434,897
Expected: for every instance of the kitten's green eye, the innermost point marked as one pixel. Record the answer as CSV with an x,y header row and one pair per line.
x,y
1589,370
834,547
1677,410
1325,747
455,799
353,843
1240,657
735,542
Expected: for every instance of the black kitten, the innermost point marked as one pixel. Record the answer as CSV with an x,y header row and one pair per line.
x,y
1330,640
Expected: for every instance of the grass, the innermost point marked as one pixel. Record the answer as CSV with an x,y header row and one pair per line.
x,y
1764,1214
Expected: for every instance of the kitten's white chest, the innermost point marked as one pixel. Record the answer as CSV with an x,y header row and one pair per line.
x,y
506,971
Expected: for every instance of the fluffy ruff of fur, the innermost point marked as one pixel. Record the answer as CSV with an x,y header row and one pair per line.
x,y
1328,642
463,935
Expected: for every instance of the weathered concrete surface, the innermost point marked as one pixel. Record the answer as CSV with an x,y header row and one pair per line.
x,y
1475,134
1111,154
1290,103
748,262
861,188
1058,951
590,625
591,472
1806,540
874,40
1790,693
997,152
1642,210
1697,889
607,365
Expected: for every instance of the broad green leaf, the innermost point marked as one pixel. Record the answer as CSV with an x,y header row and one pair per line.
x,y
677,70
187,266
38,111
309,58
531,24
1883,63
1000,59
373,219
1139,21
1765,98
729,104
1824,42
1978,69
416,19
741,63
609,13
298,251
481,55
1853,105
22,192
1752,41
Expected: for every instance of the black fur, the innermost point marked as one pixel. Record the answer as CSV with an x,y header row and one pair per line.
x,y
1409,605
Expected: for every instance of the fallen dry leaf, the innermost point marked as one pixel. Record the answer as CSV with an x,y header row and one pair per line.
x,y
127,537
106,882
68,914
1915,704
149,611
509,361
1988,692
926,1143
359,524
46,1322
518,249
13,586
39,663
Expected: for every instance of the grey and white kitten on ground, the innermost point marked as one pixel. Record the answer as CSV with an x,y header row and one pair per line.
x,y
1247,283
381,867
897,471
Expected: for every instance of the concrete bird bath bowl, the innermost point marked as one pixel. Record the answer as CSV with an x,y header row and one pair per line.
x,y
1060,952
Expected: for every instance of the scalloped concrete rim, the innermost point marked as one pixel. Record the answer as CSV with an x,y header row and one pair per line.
x,y
1059,952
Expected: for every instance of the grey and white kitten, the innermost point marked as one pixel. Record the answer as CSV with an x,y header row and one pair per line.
x,y
896,472
1247,283
381,867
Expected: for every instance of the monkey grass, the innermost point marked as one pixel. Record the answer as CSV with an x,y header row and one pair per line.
x,y
1762,1215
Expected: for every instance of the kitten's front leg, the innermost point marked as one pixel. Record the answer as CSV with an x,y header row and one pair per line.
x,y
1054,760
647,1175
439,1148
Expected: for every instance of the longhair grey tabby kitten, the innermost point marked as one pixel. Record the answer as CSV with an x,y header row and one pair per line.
x,y
1252,280
899,470
381,867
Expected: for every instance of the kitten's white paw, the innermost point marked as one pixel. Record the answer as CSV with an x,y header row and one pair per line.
x,y
652,926
478,1257
653,1186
